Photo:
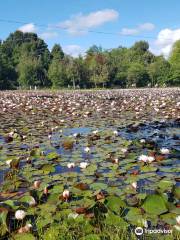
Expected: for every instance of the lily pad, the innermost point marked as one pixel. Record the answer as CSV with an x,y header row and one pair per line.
x,y
115,204
155,204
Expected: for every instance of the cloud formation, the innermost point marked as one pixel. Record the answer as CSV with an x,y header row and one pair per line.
x,y
30,27
48,35
80,24
165,40
73,50
145,27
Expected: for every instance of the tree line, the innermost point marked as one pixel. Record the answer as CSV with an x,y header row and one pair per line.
x,y
26,62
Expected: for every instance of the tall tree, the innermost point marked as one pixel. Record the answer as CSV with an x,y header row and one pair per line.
x,y
159,71
98,69
93,50
57,73
57,52
19,46
30,72
8,75
174,59
175,54
137,75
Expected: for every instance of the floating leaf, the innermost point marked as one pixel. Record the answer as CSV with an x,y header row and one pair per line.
x,y
115,204
98,186
155,204
48,168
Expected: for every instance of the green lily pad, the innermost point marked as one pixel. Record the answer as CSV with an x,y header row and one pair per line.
x,y
169,218
148,168
48,168
165,185
135,216
155,204
98,186
177,192
115,204
52,155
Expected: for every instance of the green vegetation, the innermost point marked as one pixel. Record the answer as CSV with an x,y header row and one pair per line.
x,y
25,61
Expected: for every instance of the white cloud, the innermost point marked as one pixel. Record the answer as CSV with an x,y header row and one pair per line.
x,y
30,27
80,23
139,29
73,50
129,31
48,35
165,40
146,27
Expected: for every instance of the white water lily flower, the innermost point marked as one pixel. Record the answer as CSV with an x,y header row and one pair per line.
x,y
71,165
124,150
143,158
32,202
11,134
8,162
29,225
115,132
164,151
134,185
151,159
87,149
75,135
95,132
20,214
116,160
66,194
178,220
142,140
83,165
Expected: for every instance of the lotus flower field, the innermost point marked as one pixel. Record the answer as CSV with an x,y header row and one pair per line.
x,y
89,165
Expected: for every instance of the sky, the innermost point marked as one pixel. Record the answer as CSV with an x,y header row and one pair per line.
x,y
78,24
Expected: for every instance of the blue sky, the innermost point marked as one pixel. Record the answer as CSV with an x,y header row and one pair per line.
x,y
75,23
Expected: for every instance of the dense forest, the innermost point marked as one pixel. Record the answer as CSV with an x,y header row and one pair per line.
x,y
26,62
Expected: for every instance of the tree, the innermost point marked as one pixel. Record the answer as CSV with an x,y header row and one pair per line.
x,y
141,46
159,71
93,50
118,64
77,72
57,73
8,75
29,72
98,69
137,75
57,52
174,60
83,74
19,46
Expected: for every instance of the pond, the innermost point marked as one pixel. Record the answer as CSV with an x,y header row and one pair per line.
x,y
66,163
